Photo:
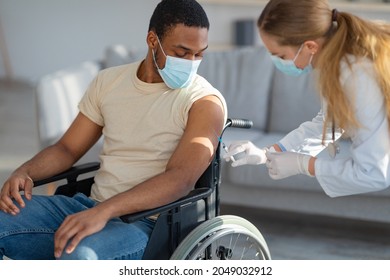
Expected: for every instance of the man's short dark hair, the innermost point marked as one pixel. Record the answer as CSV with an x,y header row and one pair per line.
x,y
169,13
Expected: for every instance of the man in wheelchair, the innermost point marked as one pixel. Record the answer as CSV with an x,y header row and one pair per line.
x,y
160,122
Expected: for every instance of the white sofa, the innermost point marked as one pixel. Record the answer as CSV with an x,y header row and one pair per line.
x,y
56,98
276,103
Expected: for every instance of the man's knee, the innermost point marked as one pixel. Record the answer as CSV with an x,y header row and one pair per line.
x,y
81,252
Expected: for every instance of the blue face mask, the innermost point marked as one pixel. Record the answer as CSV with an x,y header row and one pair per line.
x,y
178,72
288,66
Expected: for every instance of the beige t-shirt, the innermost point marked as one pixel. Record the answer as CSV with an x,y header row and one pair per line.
x,y
142,125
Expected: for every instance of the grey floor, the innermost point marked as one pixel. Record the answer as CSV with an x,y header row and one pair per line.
x,y
303,237
289,236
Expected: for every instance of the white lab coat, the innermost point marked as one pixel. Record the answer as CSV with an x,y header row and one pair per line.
x,y
367,168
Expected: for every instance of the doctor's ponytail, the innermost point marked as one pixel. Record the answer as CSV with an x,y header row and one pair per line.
x,y
360,38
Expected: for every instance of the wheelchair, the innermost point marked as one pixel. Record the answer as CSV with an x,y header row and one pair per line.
x,y
191,227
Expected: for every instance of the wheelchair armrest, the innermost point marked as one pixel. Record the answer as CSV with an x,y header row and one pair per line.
x,y
71,174
194,195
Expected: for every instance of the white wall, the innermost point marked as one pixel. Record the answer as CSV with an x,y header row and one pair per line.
x,y
222,17
46,35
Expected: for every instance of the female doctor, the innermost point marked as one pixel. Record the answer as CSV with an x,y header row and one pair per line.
x,y
352,59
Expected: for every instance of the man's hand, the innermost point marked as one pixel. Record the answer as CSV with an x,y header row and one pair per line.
x,y
252,154
286,164
76,227
11,190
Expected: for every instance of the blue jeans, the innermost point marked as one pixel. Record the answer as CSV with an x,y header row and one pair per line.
x,y
30,234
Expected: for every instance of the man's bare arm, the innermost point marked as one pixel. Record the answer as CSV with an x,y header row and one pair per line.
x,y
80,137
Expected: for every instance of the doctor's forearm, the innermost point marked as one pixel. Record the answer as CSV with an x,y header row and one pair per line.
x,y
312,169
277,148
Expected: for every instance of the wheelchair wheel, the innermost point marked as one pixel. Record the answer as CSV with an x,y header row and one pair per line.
x,y
224,237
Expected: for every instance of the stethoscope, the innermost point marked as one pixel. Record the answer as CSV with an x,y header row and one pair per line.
x,y
333,147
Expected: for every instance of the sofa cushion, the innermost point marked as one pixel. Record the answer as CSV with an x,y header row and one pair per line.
x,y
239,134
293,101
244,78
116,55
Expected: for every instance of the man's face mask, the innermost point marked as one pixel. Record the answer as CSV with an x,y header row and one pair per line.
x,y
288,66
178,72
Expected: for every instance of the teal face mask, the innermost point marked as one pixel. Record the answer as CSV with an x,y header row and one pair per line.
x,y
178,72
288,66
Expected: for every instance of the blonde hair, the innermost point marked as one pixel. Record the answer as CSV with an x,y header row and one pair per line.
x,y
293,22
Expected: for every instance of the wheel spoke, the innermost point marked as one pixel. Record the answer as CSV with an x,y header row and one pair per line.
x,y
223,237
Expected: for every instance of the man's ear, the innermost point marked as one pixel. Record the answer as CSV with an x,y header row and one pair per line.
x,y
151,39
